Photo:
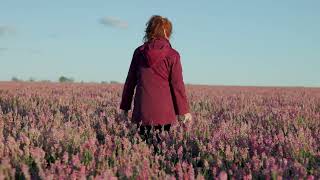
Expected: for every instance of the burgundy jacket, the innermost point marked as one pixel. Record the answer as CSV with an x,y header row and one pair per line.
x,y
156,73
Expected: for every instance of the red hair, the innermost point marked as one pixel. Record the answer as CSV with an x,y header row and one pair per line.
x,y
156,27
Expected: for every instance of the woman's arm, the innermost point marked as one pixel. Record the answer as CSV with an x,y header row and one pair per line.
x,y
177,87
130,84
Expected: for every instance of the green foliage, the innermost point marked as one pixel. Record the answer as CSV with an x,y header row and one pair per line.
x,y
32,79
114,82
33,168
15,79
50,158
63,79
87,157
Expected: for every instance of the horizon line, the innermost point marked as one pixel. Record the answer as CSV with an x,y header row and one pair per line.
x,y
186,83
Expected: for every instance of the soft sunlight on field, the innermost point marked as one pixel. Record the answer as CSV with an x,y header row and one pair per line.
x,y
72,130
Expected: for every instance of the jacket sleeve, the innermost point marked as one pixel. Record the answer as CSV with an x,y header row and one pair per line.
x,y
130,84
177,88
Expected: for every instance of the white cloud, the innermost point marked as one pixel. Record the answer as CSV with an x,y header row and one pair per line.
x,y
6,30
113,22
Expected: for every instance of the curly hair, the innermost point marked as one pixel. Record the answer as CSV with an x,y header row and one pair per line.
x,y
156,27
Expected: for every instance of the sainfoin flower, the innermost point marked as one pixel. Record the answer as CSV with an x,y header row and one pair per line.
x,y
73,131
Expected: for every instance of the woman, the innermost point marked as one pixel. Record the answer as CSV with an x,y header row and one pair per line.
x,y
156,73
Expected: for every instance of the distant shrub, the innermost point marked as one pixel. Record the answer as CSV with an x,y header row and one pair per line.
x,y
15,79
114,82
32,79
65,79
45,81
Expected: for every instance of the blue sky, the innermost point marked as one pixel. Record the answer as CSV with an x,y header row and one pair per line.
x,y
263,43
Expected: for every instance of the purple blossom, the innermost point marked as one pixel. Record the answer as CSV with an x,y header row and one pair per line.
x,y
73,131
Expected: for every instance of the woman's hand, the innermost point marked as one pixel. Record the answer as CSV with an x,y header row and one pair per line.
x,y
185,118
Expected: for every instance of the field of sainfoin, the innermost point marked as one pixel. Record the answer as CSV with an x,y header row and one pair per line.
x,y
74,131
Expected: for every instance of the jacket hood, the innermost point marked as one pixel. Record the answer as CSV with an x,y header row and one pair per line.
x,y
155,50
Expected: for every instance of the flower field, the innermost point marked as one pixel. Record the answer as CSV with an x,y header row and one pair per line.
x,y
74,131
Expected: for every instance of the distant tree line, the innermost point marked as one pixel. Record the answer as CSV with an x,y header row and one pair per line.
x,y
62,79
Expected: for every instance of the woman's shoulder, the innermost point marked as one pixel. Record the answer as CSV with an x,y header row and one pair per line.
x,y
139,48
174,52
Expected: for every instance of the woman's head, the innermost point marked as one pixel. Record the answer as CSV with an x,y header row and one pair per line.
x,y
158,26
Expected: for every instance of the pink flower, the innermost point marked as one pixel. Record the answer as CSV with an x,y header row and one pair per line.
x,y
37,153
191,172
65,157
128,171
180,152
223,175
178,170
76,160
310,177
25,171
